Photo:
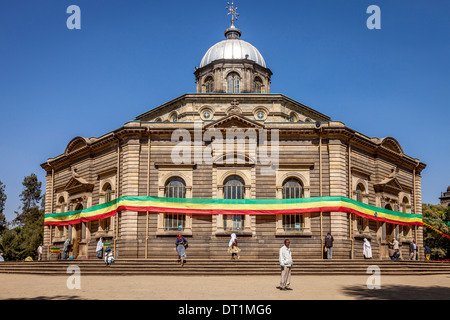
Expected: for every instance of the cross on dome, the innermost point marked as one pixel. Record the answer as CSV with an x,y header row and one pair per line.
x,y
233,12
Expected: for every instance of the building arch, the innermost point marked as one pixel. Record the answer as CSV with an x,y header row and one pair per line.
x,y
233,82
76,144
293,188
296,175
173,117
208,84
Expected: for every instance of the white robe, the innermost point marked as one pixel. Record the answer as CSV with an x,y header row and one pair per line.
x,y
233,237
367,249
99,245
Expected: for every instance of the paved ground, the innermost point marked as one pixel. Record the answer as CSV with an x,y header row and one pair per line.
x,y
222,288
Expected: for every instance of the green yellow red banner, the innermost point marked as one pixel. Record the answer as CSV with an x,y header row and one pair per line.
x,y
436,230
227,207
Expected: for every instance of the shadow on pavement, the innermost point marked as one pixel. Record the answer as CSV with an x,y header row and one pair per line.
x,y
399,292
49,298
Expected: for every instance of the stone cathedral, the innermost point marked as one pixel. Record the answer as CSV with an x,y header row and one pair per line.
x,y
232,158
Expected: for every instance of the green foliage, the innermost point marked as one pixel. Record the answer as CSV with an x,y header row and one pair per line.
x,y
23,240
438,217
3,222
30,197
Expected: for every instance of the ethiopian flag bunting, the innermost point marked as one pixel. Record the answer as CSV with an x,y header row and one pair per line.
x,y
227,207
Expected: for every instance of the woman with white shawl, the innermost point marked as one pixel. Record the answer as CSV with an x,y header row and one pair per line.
x,y
99,248
66,249
367,249
233,247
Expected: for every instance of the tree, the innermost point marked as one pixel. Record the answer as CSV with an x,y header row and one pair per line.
x,y
438,217
23,240
30,197
3,222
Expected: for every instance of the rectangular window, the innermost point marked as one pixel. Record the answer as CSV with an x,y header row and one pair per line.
x,y
233,222
293,222
174,222
105,224
360,224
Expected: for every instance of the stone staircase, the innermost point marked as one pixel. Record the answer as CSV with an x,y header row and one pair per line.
x,y
224,267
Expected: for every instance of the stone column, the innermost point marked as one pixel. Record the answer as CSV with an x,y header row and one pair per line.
x,y
48,209
418,202
338,188
129,181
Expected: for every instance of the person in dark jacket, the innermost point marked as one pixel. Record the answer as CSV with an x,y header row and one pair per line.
x,y
427,252
329,245
181,244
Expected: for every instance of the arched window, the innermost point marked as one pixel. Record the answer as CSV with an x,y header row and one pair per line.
x,y
406,229
293,189
258,85
108,192
405,204
389,227
61,204
233,80
59,231
233,188
175,188
209,85
105,224
360,191
292,117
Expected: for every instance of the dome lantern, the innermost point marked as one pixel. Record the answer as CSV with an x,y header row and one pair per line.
x,y
233,65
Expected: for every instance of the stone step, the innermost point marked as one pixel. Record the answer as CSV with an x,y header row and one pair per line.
x,y
225,267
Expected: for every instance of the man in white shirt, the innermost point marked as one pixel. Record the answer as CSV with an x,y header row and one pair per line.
x,y
286,266
39,251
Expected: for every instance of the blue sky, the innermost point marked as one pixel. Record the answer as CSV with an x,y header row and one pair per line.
x,y
131,56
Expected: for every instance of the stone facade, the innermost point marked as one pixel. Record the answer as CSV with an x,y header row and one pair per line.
x,y
445,198
321,157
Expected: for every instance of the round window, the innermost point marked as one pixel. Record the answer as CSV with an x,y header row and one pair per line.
x,y
206,115
260,115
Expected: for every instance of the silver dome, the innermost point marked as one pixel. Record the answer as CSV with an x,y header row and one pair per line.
x,y
233,49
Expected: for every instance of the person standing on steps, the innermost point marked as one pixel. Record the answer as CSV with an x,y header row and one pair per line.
x,y
233,247
99,249
39,252
367,249
181,244
412,250
286,266
329,245
66,249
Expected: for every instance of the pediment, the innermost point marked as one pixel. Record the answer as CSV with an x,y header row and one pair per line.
x,y
234,121
78,184
76,144
74,185
391,185
392,145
